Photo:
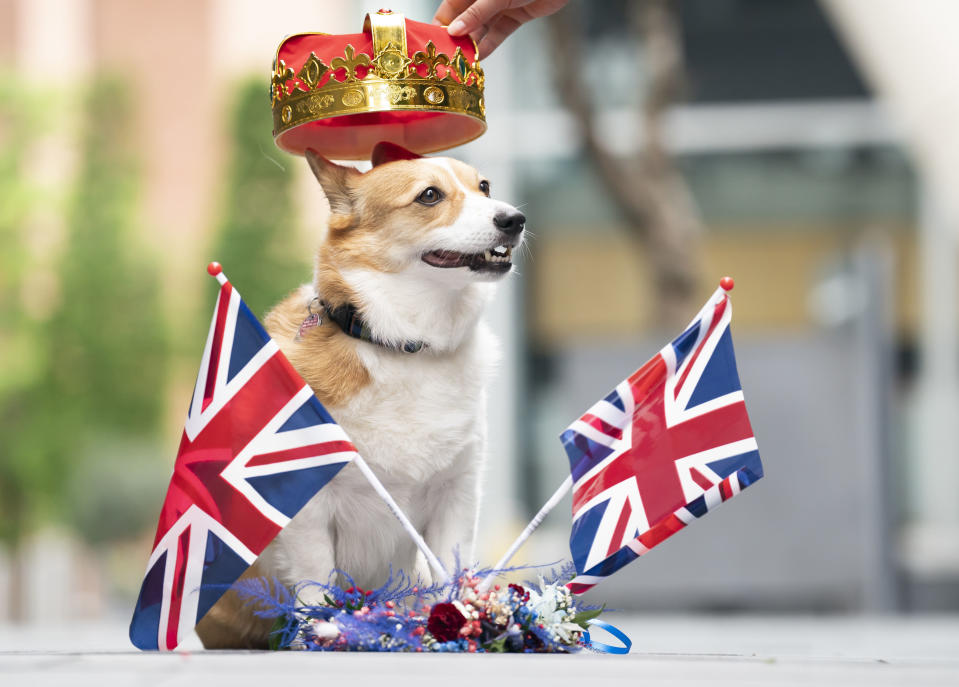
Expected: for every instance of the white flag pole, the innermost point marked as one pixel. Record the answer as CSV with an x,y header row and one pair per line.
x,y
530,528
404,521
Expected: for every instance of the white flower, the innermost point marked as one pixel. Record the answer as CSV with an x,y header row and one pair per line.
x,y
324,631
568,633
553,605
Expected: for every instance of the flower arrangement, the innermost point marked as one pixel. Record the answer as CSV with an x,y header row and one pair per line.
x,y
537,617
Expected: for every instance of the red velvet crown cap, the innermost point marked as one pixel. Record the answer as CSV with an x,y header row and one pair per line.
x,y
401,81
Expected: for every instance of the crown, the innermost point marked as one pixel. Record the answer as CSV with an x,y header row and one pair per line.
x,y
401,81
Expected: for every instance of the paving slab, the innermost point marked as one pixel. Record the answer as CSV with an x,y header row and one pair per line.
x,y
901,651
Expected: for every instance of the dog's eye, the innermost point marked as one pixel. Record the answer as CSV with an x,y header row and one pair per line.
x,y
430,196
484,187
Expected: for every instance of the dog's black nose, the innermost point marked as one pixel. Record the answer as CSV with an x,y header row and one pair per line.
x,y
510,223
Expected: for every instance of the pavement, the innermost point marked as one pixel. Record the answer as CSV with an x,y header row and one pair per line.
x,y
694,650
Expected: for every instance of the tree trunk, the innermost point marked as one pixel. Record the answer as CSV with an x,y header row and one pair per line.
x,y
652,195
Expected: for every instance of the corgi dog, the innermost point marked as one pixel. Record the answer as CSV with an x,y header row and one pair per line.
x,y
400,358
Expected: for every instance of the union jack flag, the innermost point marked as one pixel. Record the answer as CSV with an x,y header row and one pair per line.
x,y
257,445
669,443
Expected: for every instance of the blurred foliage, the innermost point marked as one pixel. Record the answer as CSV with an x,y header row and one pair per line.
x,y
82,387
256,241
18,129
103,350
109,372
21,360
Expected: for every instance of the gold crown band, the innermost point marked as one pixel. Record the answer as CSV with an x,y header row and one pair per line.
x,y
390,80
373,94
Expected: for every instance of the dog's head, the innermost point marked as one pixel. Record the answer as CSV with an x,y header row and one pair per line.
x,y
428,218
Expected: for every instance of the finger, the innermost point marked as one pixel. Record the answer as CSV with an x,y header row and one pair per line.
x,y
542,8
478,37
481,12
449,10
502,26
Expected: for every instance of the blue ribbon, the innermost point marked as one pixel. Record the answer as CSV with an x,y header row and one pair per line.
x,y
606,648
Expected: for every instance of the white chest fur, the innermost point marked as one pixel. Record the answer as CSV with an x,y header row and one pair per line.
x,y
420,425
420,408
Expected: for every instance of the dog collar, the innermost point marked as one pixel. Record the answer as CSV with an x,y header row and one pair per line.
x,y
348,319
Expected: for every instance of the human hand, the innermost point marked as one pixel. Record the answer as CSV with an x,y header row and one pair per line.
x,y
489,22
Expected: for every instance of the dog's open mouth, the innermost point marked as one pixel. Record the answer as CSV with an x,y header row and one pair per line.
x,y
496,259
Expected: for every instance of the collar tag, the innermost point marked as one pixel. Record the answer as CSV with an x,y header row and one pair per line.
x,y
312,320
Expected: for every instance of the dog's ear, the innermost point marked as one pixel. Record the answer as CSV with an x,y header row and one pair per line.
x,y
384,151
335,180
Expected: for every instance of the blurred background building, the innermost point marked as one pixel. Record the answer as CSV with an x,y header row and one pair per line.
x,y
802,147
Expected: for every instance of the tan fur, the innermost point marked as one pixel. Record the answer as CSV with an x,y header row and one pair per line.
x,y
231,624
324,356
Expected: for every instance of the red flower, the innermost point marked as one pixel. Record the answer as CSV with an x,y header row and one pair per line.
x,y
520,592
445,622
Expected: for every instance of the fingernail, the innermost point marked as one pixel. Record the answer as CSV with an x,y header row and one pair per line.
x,y
458,27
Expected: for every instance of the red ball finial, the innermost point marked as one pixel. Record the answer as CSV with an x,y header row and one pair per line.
x,y
214,268
727,283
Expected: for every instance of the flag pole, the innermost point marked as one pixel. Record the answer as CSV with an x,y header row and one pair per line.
x,y
530,528
216,270
404,521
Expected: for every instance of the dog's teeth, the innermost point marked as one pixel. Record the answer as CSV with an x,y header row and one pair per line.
x,y
497,254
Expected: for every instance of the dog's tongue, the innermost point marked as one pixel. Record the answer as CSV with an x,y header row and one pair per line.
x,y
447,258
